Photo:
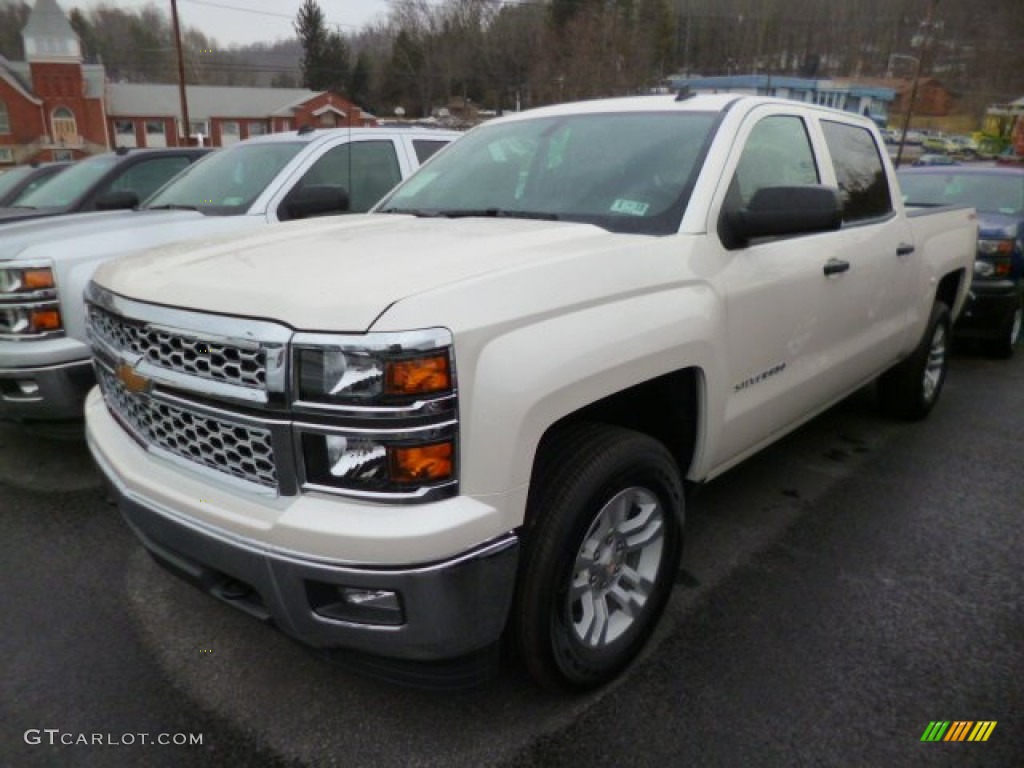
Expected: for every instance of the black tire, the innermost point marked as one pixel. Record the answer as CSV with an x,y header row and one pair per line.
x,y
910,389
1009,335
595,484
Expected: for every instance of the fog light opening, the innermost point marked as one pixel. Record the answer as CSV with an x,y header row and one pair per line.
x,y
28,387
356,604
16,390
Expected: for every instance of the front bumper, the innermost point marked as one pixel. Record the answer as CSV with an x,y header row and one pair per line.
x,y
46,393
450,607
988,307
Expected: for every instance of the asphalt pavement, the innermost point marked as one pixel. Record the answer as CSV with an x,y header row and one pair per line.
x,y
840,591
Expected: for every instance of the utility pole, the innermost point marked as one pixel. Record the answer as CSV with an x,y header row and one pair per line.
x,y
181,71
917,76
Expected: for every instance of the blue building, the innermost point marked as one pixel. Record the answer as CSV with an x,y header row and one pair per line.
x,y
838,93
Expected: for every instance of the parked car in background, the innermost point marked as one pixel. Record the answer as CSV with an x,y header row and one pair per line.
x,y
24,179
994,309
938,144
934,159
964,146
1010,157
44,265
120,179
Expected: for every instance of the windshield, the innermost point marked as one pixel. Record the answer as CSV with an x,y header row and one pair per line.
x,y
10,179
625,172
987,192
227,182
71,184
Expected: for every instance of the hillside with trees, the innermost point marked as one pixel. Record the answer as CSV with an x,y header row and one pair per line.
x,y
499,53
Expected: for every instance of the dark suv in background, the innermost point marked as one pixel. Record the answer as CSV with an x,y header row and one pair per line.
x,y
994,310
120,179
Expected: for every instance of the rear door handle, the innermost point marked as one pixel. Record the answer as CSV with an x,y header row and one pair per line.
x,y
904,250
835,266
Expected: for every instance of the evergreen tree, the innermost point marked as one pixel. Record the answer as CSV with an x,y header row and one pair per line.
x,y
311,28
12,20
359,83
335,68
325,56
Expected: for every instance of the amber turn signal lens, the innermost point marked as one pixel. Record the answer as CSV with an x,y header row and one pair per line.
x,y
37,279
427,463
418,376
46,320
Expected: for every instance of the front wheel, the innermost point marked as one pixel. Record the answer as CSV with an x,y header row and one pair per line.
x,y
602,550
910,389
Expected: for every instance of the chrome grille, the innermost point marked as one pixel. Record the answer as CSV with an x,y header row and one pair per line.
x,y
182,353
241,451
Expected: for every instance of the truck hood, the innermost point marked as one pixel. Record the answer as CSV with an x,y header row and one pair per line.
x,y
998,226
341,274
13,215
76,237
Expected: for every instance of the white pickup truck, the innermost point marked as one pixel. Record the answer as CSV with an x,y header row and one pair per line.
x,y
45,265
470,415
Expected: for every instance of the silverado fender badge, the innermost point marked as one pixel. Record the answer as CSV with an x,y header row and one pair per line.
x,y
764,375
134,382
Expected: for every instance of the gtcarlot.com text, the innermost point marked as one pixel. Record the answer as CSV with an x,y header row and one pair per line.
x,y
56,737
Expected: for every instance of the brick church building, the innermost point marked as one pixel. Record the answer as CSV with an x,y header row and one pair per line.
x,y
51,105
54,106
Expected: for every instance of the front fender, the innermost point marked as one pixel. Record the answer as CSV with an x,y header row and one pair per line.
x,y
523,381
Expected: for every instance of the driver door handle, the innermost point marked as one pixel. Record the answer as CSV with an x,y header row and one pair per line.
x,y
904,249
835,266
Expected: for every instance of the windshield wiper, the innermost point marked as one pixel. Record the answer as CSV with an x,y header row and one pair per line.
x,y
497,213
469,213
419,212
171,207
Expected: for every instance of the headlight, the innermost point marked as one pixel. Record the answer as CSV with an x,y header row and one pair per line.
x,y
30,320
994,258
381,466
28,306
344,375
386,421
994,247
26,280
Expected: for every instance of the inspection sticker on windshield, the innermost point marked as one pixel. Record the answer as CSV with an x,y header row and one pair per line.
x,y
630,207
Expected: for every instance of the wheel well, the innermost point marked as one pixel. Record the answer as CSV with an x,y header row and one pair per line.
x,y
948,289
666,408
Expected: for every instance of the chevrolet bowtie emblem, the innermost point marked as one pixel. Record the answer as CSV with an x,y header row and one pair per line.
x,y
132,381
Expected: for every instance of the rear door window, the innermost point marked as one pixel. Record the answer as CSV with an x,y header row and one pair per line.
x,y
863,185
426,149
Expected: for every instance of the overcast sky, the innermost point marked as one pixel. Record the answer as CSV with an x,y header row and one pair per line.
x,y
250,21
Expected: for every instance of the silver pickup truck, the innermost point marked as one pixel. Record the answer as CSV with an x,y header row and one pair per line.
x,y
44,266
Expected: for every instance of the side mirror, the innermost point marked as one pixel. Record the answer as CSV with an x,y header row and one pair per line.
x,y
777,211
316,200
117,201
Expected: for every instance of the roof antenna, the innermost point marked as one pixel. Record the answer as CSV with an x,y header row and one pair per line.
x,y
685,93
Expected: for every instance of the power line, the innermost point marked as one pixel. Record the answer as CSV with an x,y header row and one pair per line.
x,y
255,12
